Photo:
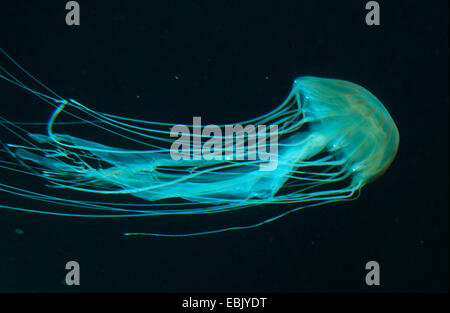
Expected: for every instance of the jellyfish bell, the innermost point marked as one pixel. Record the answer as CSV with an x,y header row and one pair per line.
x,y
358,127
334,137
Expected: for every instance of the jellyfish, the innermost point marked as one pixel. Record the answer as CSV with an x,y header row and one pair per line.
x,y
333,137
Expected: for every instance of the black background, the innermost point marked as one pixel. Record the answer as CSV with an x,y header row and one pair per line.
x,y
228,61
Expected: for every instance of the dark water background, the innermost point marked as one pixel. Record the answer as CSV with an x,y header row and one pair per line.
x,y
228,61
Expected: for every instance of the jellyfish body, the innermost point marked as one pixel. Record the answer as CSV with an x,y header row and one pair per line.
x,y
333,138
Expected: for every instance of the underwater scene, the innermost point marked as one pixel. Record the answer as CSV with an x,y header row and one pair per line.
x,y
224,147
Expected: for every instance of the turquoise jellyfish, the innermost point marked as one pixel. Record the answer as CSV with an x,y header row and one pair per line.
x,y
334,137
